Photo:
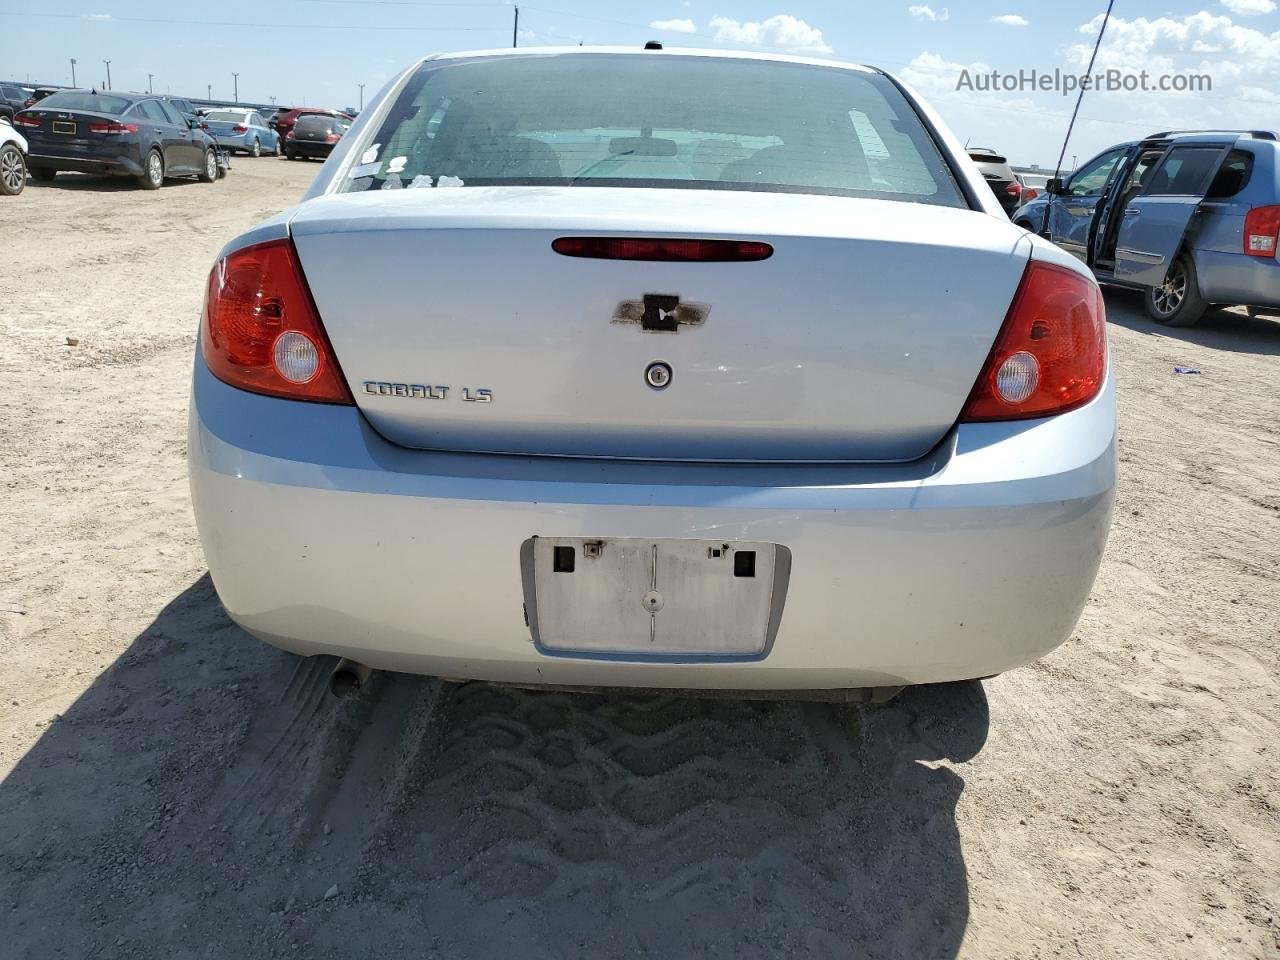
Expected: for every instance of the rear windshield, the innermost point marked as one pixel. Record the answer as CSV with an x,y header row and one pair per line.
x,y
94,102
230,115
314,124
654,121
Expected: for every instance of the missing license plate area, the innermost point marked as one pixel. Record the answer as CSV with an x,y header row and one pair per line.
x,y
62,126
654,598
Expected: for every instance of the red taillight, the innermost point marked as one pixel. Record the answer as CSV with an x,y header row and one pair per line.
x,y
29,102
1014,189
331,138
113,127
26,120
632,248
1051,354
1029,193
289,135
239,128
1261,231
261,330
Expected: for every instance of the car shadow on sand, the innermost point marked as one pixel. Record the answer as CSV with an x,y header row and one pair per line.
x,y
100,183
207,797
1218,329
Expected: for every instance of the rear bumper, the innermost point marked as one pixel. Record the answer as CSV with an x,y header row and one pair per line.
x,y
1237,279
119,164
323,538
309,148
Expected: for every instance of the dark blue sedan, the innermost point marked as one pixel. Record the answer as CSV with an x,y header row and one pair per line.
x,y
125,134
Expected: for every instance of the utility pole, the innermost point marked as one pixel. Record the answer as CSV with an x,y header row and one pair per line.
x,y
108,63
515,27
272,98
73,71
150,76
361,86
208,91
235,79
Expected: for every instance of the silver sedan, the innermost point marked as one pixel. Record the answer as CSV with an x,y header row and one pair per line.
x,y
653,369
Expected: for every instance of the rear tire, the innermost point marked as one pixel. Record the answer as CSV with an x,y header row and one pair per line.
x,y
275,151
210,172
1177,302
256,149
290,155
152,172
13,170
43,174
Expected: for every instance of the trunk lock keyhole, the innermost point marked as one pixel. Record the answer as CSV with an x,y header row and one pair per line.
x,y
658,375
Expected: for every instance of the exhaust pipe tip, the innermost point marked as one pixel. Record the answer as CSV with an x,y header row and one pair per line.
x,y
348,678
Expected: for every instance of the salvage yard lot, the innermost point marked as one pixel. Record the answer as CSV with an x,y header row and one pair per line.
x,y
172,788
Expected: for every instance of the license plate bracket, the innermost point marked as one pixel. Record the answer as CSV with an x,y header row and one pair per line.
x,y
640,598
64,127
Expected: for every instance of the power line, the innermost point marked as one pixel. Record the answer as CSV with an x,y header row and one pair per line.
x,y
618,23
239,23
1089,72
406,3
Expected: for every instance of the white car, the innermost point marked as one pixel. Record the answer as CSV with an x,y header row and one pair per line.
x,y
13,160
655,368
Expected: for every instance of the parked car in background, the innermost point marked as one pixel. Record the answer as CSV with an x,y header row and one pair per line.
x,y
1035,181
1192,219
38,94
13,161
1031,186
315,136
286,118
125,134
185,107
1000,177
781,421
12,99
244,130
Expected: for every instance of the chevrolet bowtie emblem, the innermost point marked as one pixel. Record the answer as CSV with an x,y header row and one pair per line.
x,y
661,313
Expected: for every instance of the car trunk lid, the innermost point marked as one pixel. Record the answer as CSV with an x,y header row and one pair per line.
x,y
72,130
226,128
458,326
315,129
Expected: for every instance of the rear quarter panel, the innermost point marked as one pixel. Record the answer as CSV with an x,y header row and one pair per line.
x,y
1217,242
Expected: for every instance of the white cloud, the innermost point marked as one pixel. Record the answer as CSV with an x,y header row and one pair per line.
x,y
1250,8
98,16
931,74
673,26
925,12
1011,20
1155,45
781,31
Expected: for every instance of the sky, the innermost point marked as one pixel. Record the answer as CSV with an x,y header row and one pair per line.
x,y
319,51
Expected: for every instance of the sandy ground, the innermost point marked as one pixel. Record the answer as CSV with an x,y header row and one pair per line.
x,y
172,788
